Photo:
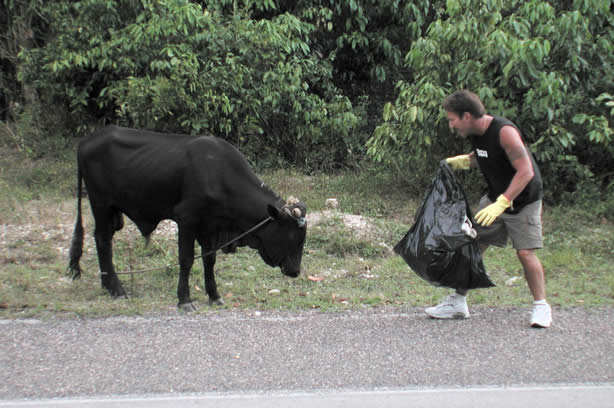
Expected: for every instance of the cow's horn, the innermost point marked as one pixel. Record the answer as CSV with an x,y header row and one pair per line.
x,y
296,211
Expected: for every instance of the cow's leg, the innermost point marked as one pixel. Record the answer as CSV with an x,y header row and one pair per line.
x,y
186,259
105,226
210,285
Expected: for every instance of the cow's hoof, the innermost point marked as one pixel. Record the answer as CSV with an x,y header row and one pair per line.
x,y
216,302
122,295
187,307
118,292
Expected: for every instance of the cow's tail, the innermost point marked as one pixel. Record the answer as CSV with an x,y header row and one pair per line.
x,y
76,248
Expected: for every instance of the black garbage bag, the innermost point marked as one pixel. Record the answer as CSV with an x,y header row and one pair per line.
x,y
441,247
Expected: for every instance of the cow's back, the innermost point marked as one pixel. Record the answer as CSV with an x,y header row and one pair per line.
x,y
222,184
150,176
138,172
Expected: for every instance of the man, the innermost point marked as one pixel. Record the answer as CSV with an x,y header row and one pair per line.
x,y
512,206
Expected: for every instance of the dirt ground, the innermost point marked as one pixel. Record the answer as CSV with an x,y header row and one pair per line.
x,y
52,227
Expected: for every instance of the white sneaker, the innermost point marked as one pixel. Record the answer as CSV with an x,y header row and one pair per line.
x,y
451,307
541,316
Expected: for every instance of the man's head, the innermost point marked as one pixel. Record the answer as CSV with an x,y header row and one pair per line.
x,y
463,101
463,109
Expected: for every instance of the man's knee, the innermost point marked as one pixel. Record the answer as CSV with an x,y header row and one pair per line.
x,y
525,253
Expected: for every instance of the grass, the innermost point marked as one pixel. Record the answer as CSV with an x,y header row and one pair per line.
x,y
344,267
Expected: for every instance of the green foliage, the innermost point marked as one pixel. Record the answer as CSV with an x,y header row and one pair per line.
x,y
371,36
544,65
20,26
308,82
176,66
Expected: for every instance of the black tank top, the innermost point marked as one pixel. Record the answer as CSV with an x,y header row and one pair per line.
x,y
497,169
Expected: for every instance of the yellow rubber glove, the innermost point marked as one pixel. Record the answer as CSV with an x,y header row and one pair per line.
x,y
488,214
462,162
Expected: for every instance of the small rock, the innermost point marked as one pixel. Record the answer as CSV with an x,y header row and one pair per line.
x,y
511,281
332,203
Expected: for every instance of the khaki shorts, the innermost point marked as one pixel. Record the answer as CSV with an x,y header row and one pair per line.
x,y
524,229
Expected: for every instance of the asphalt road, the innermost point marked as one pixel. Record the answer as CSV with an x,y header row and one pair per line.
x,y
223,353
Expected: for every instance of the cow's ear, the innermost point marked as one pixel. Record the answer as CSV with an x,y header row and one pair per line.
x,y
273,211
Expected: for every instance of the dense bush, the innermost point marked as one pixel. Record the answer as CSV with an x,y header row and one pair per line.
x,y
174,66
545,65
318,83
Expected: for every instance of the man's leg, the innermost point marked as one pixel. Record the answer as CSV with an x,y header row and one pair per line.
x,y
453,306
533,272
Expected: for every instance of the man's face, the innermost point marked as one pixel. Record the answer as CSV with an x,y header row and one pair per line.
x,y
463,125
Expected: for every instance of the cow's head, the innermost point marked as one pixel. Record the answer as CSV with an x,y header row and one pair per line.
x,y
283,238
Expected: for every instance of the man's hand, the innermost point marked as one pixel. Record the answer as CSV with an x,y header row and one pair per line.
x,y
487,215
462,162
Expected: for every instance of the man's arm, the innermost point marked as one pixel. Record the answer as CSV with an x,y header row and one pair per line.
x,y
519,157
521,161
463,161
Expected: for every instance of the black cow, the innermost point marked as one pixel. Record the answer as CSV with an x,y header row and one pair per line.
x,y
202,183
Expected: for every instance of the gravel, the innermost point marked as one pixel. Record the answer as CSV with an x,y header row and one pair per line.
x,y
263,351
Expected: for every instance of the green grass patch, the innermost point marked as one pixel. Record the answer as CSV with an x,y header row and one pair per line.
x,y
348,261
